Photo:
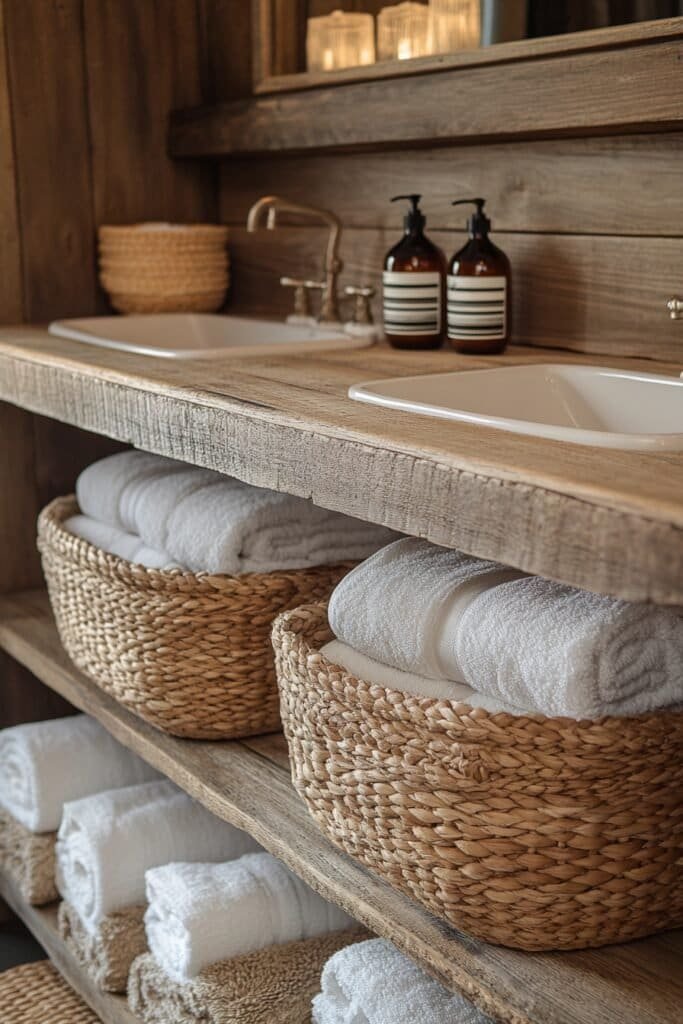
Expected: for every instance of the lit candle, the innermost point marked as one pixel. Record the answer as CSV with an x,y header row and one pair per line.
x,y
404,31
340,40
456,24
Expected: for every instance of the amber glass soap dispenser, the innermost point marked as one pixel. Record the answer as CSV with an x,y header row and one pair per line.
x,y
478,290
413,285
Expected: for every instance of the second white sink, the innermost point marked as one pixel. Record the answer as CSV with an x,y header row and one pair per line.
x,y
201,335
590,405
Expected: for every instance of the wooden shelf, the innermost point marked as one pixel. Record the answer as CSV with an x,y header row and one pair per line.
x,y
248,784
42,922
605,520
622,79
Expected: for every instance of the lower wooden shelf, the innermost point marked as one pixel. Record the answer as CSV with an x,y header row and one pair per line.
x,y
42,922
248,784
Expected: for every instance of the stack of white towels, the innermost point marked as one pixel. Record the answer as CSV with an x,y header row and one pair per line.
x,y
166,514
438,623
373,983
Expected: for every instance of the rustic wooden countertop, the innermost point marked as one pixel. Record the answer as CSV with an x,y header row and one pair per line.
x,y
598,518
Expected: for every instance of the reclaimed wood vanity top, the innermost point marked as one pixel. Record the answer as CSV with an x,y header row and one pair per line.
x,y
602,519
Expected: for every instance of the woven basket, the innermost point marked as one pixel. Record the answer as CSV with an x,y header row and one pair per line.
x,y
155,268
189,653
37,994
530,832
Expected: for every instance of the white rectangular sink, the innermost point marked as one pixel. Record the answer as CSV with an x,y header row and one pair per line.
x,y
590,405
201,335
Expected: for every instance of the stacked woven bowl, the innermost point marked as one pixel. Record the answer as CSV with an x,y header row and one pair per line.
x,y
164,268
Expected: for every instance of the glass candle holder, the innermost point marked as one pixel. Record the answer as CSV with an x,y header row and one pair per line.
x,y
340,40
456,24
404,31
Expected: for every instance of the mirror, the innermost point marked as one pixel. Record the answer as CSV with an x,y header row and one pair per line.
x,y
326,36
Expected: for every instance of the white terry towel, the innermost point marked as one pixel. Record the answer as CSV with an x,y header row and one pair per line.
x,y
118,542
199,914
213,523
373,983
45,764
106,843
371,671
519,639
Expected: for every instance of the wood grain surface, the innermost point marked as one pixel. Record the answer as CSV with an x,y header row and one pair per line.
x,y
602,519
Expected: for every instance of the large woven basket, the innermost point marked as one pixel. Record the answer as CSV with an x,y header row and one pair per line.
x,y
36,994
530,832
189,653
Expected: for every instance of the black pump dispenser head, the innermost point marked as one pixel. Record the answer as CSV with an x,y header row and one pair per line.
x,y
478,223
414,220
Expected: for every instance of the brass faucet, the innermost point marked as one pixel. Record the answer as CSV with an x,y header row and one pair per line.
x,y
274,206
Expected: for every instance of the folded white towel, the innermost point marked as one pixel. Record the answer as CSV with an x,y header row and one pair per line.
x,y
213,523
371,671
199,914
107,842
373,983
118,542
45,764
518,639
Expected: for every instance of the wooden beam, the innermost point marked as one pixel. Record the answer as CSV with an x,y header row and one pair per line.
x,y
631,89
600,519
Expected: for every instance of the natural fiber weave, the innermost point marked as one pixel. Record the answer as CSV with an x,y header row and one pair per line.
x,y
29,860
189,653
164,268
535,833
177,302
37,994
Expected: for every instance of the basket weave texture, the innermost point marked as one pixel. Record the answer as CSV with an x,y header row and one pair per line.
x,y
189,653
158,268
530,832
37,994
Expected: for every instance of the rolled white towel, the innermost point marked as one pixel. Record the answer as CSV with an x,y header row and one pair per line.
x,y
213,523
118,542
373,983
45,764
102,488
106,843
371,671
199,914
518,639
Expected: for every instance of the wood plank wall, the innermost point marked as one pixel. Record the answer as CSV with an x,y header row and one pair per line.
x,y
593,227
86,87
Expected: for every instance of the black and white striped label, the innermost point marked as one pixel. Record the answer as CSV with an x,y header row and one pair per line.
x,y
412,302
476,307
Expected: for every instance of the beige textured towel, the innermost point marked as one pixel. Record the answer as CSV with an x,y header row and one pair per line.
x,y
28,859
275,985
108,953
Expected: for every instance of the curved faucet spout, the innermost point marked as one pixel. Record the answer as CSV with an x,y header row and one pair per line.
x,y
276,205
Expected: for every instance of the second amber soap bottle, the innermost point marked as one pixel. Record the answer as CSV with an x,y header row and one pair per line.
x,y
413,285
478,295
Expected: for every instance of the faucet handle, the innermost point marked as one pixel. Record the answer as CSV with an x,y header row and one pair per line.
x,y
362,313
302,307
675,307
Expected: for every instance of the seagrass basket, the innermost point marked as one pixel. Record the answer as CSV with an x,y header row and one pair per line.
x,y
190,653
36,994
530,832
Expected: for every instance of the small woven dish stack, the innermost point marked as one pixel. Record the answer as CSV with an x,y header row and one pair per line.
x,y
529,832
164,268
190,653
